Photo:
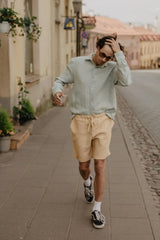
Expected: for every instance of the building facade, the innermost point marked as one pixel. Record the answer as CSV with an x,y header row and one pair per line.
x,y
149,48
36,64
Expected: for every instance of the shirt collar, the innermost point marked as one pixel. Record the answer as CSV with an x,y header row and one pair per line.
x,y
89,58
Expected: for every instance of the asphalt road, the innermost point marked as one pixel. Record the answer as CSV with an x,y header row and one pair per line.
x,y
143,96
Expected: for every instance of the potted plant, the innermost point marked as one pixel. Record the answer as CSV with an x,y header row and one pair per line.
x,y
31,28
8,21
6,130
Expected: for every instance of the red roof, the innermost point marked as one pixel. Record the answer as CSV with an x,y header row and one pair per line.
x,y
108,25
143,30
147,34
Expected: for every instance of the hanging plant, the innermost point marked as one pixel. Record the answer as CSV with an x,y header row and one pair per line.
x,y
9,21
30,28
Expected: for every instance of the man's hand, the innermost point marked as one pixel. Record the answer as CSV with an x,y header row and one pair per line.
x,y
114,44
58,98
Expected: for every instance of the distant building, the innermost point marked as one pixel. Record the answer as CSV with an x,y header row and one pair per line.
x,y
90,22
127,36
149,47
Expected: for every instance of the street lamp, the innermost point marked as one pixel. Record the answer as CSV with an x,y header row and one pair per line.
x,y
77,5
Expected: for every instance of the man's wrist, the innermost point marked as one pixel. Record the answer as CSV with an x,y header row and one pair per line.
x,y
117,51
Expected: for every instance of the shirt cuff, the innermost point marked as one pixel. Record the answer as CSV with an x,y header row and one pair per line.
x,y
120,58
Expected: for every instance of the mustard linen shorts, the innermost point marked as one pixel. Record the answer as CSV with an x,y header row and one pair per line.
x,y
91,136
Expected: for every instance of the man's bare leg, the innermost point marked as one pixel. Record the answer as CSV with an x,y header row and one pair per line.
x,y
84,169
99,183
98,220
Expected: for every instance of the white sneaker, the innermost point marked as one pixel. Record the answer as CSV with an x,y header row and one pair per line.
x,y
88,192
98,220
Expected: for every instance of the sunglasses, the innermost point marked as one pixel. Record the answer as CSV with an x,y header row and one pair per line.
x,y
103,55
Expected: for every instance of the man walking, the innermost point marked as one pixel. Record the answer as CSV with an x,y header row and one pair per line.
x,y
93,107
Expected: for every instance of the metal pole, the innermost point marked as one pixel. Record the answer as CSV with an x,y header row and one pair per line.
x,y
77,25
78,36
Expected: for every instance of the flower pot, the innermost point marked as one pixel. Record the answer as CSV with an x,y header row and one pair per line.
x,y
4,27
5,144
29,28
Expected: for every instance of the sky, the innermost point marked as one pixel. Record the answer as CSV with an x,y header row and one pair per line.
x,y
135,11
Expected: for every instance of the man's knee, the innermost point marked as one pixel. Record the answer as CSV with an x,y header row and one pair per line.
x,y
84,166
84,169
99,166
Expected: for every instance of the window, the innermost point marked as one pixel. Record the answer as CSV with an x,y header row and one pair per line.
x,y
28,43
72,32
67,59
72,53
132,56
32,68
136,55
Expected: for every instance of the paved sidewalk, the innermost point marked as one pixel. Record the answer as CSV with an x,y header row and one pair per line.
x,y
41,192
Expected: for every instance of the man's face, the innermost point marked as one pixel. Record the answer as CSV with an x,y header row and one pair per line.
x,y
103,55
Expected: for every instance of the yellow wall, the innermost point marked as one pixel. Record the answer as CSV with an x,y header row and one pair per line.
x,y
149,54
50,53
11,64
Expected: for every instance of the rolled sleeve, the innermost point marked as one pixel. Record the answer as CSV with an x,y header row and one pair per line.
x,y
65,78
122,75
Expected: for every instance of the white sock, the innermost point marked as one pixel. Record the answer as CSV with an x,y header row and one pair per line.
x,y
87,182
97,206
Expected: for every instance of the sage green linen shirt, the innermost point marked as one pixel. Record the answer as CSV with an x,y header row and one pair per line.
x,y
93,90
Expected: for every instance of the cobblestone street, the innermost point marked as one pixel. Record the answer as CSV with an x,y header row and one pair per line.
x,y
143,96
145,147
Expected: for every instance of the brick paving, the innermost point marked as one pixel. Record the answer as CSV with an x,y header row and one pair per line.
x,y
41,192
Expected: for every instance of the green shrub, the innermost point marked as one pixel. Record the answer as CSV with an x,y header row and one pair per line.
x,y
24,112
6,127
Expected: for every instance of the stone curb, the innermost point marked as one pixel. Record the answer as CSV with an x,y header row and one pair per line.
x,y
147,196
19,138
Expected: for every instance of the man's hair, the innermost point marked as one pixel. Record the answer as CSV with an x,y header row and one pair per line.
x,y
102,41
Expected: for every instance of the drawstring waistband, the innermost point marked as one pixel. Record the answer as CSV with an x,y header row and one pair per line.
x,y
90,119
90,123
